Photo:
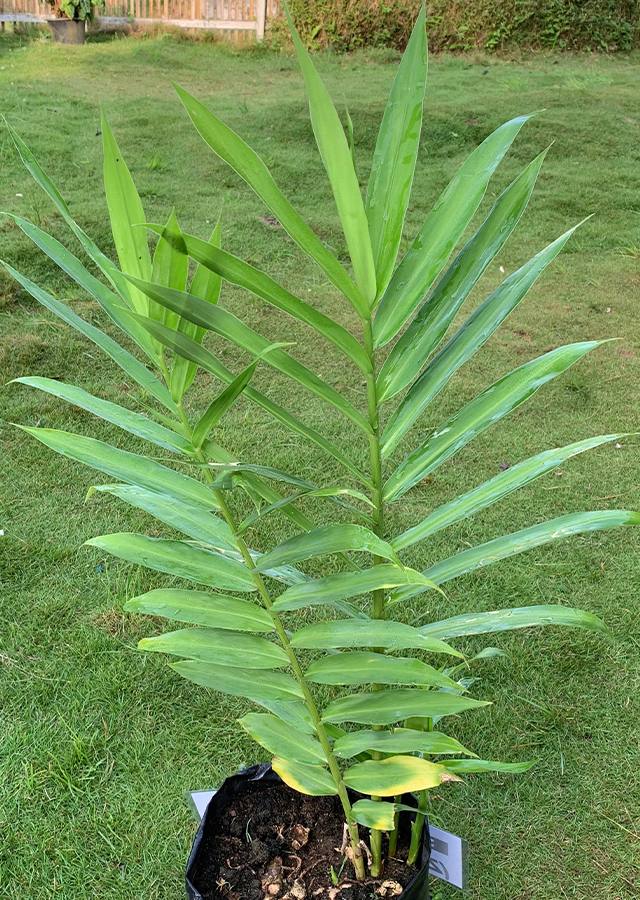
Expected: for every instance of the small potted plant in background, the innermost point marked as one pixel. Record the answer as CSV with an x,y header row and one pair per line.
x,y
71,17
353,696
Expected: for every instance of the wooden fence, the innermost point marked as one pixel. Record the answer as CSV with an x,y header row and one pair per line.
x,y
240,20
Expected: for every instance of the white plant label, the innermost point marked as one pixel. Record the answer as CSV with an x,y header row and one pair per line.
x,y
449,858
449,853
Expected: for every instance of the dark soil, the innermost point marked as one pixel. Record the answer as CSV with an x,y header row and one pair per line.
x,y
277,844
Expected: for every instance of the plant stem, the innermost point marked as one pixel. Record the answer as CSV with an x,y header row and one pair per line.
x,y
358,859
418,827
393,835
377,864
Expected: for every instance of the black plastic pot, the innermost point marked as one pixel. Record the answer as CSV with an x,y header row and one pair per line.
x,y
252,781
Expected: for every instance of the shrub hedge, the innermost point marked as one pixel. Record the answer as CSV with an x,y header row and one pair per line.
x,y
471,24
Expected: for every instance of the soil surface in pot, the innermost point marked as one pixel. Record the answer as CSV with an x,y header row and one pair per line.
x,y
281,845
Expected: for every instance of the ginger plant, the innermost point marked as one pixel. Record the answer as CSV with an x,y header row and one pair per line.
x,y
389,697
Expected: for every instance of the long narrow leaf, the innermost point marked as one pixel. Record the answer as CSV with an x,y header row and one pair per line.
x,y
228,326
484,410
387,707
268,687
112,304
191,350
370,633
277,737
233,150
178,558
401,740
344,585
496,489
125,212
170,267
91,249
236,271
512,544
440,233
466,341
128,363
193,521
127,467
360,667
394,159
133,422
434,317
325,540
217,645
336,156
202,608
218,407
206,285
510,619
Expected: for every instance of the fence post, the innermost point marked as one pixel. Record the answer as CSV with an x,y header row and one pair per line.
x,y
260,19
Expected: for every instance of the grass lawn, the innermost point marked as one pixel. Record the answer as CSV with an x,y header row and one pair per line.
x,y
97,742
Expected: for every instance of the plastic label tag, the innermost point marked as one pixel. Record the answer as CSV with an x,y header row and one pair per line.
x,y
449,858
197,801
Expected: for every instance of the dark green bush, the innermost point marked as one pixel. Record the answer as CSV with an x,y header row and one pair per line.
x,y
471,24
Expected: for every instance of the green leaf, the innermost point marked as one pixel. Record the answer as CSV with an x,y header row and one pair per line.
x,y
228,680
313,780
401,740
375,668
325,540
389,706
336,156
202,608
129,421
128,363
236,271
91,249
466,341
249,166
194,521
470,766
170,267
129,467
179,559
436,314
374,814
366,633
112,304
393,776
519,541
125,212
210,363
394,159
496,489
510,619
484,410
228,326
293,713
223,647
441,232
329,493
206,285
218,407
282,740
343,585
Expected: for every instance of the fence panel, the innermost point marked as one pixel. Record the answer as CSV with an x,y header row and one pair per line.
x,y
239,20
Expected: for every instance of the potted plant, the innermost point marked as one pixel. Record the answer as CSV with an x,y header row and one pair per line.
x,y
353,697
69,24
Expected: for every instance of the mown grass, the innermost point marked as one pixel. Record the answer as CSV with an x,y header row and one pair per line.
x,y
98,742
